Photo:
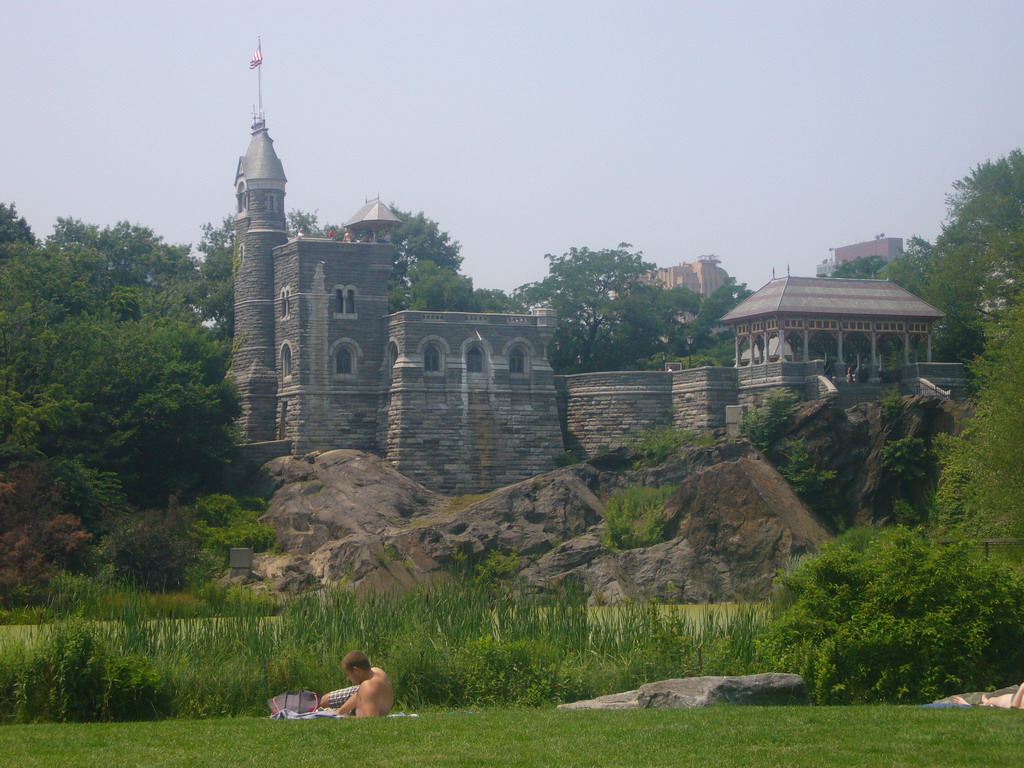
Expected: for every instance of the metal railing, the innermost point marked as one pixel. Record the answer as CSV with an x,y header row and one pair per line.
x,y
926,387
1009,549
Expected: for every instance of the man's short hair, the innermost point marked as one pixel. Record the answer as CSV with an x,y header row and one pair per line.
x,y
356,659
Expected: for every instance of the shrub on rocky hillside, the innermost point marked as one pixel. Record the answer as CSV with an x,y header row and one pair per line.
x,y
903,620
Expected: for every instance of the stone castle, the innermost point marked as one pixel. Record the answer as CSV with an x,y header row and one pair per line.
x,y
463,402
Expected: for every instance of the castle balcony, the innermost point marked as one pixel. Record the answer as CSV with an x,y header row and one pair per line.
x,y
463,318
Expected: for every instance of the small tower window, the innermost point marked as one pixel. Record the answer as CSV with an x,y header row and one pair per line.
x,y
286,302
343,362
240,196
474,360
343,304
432,359
517,361
286,361
392,356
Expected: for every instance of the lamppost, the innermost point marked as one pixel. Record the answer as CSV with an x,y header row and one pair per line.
x,y
689,351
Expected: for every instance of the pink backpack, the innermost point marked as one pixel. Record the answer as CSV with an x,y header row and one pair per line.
x,y
296,701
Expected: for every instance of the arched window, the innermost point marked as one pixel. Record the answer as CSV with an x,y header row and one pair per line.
x,y
286,302
344,303
392,355
474,360
241,197
343,362
286,361
517,360
432,359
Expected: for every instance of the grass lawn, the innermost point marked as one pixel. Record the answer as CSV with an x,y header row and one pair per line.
x,y
789,737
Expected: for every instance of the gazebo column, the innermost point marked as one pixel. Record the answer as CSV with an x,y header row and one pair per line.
x,y
929,346
737,340
807,345
906,349
841,360
873,376
764,335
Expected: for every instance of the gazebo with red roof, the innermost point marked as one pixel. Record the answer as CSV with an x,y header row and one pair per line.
x,y
830,315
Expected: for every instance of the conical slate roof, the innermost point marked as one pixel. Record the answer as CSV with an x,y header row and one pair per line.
x,y
373,212
832,296
260,160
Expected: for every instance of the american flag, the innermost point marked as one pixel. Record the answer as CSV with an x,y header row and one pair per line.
x,y
257,59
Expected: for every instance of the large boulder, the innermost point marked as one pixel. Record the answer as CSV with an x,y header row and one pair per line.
x,y
731,524
691,692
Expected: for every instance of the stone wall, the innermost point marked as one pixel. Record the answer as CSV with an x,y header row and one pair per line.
x,y
603,410
254,455
700,395
755,380
464,431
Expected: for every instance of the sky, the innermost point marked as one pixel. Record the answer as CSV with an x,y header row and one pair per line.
x,y
763,132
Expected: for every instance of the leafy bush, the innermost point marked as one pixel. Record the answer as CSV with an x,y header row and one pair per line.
x,y
153,548
37,535
811,484
656,445
223,521
908,458
905,620
73,676
508,672
891,404
763,424
634,517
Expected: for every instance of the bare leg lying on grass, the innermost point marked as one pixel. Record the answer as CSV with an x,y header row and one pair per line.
x,y
1004,701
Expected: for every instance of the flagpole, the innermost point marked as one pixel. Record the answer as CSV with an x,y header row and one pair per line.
x,y
259,74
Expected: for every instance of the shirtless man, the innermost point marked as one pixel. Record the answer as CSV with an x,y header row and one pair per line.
x,y
375,694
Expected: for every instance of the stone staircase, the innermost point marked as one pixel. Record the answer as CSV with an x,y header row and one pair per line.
x,y
856,392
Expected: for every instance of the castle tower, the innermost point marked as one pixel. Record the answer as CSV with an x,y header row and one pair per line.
x,y
259,227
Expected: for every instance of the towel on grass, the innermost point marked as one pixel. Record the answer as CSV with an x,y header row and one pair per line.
x,y
287,714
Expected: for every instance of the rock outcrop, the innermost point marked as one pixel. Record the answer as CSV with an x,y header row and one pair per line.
x,y
691,692
851,441
348,517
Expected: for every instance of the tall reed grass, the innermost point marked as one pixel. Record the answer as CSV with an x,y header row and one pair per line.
x,y
455,646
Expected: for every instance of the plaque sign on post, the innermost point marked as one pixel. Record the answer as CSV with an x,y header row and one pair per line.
x,y
240,560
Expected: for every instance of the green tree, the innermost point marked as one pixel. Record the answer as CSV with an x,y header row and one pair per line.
x,y
105,365
865,266
420,238
13,228
494,300
214,295
436,289
588,289
131,255
910,269
976,266
308,225
982,480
